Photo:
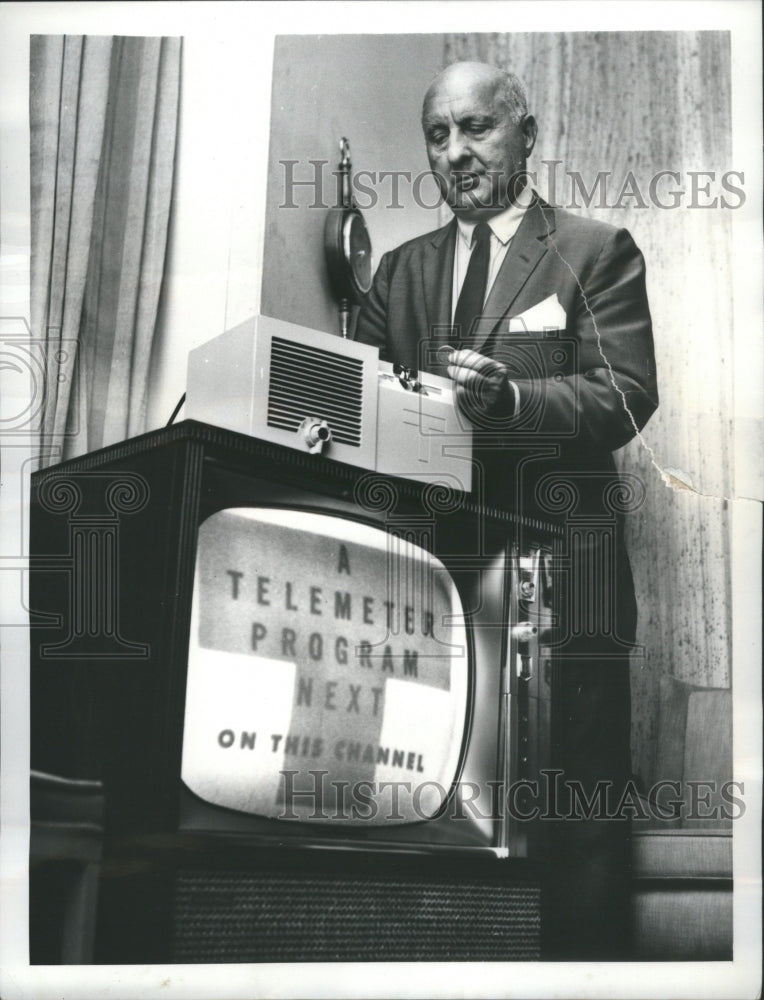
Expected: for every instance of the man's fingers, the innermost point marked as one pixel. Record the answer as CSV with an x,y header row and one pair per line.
x,y
484,370
471,359
466,376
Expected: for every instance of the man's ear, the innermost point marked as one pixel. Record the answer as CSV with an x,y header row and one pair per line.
x,y
530,131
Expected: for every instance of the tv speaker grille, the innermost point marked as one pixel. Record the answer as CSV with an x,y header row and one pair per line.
x,y
276,917
310,382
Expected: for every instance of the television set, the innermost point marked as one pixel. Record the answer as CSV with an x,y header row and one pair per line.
x,y
282,708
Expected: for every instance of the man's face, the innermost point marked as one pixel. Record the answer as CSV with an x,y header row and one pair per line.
x,y
475,149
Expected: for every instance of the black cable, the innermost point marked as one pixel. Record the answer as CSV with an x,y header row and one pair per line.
x,y
181,401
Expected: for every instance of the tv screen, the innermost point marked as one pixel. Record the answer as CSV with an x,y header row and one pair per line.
x,y
328,673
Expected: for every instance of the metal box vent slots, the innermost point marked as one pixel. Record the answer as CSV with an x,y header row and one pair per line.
x,y
310,380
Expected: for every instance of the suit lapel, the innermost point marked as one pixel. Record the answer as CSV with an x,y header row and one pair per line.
x,y
437,277
528,246
437,281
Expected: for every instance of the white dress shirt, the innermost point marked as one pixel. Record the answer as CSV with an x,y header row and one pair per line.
x,y
503,227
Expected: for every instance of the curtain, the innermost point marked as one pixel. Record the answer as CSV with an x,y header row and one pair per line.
x,y
646,102
103,122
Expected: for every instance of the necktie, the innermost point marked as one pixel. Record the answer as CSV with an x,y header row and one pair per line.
x,y
470,304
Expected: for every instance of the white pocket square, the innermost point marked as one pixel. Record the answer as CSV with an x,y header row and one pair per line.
x,y
545,315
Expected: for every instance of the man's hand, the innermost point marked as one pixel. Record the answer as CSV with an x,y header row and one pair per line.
x,y
484,392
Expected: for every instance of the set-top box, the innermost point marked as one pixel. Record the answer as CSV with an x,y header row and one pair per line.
x,y
319,393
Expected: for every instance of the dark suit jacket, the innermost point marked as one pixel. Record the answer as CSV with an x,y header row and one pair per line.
x,y
584,392
583,395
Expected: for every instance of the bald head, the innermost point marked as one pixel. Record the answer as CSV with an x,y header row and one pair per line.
x,y
478,134
492,83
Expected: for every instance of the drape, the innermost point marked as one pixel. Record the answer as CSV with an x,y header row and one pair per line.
x,y
103,123
644,102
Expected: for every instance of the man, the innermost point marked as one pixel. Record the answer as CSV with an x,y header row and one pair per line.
x,y
476,300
